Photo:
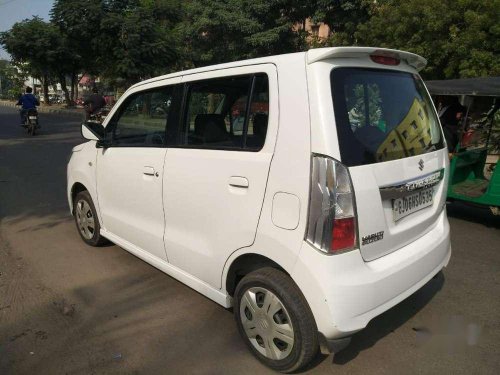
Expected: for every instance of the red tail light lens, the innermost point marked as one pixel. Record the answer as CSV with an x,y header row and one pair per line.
x,y
343,234
385,60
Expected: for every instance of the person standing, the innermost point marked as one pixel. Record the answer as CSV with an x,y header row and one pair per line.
x,y
451,115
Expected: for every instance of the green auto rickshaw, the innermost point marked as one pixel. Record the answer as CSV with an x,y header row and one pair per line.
x,y
473,137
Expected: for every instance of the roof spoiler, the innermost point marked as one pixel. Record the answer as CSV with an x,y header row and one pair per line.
x,y
318,54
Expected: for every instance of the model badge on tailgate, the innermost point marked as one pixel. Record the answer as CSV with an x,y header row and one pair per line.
x,y
366,240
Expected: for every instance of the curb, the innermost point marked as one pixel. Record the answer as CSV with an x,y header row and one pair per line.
x,y
66,112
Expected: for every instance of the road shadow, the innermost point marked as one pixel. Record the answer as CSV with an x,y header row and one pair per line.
x,y
473,213
390,321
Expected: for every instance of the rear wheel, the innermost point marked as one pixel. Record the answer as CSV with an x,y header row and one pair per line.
x,y
275,320
31,128
86,220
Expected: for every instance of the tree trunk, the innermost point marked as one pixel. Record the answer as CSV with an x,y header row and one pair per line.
x,y
45,84
76,86
73,84
72,89
62,80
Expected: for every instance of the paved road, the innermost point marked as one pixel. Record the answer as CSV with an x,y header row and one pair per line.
x,y
69,308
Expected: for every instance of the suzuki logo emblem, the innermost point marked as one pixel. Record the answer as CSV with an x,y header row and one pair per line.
x,y
421,165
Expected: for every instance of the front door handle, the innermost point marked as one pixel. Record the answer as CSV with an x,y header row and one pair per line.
x,y
148,171
237,181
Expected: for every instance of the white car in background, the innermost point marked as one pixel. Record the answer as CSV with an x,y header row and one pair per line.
x,y
309,226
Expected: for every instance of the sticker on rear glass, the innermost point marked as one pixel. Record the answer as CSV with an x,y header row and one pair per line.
x,y
366,240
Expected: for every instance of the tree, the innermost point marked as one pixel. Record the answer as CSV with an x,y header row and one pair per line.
x,y
342,16
11,80
80,23
459,38
228,30
31,43
136,39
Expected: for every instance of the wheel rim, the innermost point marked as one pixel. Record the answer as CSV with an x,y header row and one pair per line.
x,y
266,323
85,219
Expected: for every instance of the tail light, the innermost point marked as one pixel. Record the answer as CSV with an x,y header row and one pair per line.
x,y
385,60
332,212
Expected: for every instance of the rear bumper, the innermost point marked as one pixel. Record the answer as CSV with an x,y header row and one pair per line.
x,y
345,293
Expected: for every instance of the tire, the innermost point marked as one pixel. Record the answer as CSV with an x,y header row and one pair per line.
x,y
284,337
31,128
86,220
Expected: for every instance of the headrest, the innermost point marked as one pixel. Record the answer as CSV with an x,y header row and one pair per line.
x,y
260,124
211,128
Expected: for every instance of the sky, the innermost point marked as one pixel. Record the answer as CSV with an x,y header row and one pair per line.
x,y
12,11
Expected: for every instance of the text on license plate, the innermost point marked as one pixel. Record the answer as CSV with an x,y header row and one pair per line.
x,y
405,206
32,117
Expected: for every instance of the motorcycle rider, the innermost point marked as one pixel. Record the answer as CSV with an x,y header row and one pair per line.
x,y
94,103
27,101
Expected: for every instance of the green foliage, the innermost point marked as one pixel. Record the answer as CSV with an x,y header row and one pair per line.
x,y
459,38
11,80
227,30
137,41
40,48
123,41
79,21
33,42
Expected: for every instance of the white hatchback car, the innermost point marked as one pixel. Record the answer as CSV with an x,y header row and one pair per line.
x,y
307,191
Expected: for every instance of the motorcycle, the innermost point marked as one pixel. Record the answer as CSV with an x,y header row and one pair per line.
x,y
31,121
99,115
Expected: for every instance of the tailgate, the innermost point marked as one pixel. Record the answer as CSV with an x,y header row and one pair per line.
x,y
390,138
381,188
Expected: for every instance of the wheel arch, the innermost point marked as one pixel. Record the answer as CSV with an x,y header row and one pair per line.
x,y
77,187
242,265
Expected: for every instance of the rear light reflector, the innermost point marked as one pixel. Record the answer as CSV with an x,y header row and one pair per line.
x,y
343,236
385,60
332,220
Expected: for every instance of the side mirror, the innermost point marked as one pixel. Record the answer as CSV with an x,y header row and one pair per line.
x,y
93,131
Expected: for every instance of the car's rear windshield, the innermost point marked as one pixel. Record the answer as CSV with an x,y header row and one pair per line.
x,y
382,115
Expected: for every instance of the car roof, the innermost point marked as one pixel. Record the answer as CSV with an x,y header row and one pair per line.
x,y
311,56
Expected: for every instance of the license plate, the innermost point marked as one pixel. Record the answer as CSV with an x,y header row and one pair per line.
x,y
405,206
32,117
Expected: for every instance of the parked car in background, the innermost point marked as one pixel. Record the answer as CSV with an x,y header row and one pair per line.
x,y
325,208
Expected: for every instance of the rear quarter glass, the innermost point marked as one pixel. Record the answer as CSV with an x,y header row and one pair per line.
x,y
382,115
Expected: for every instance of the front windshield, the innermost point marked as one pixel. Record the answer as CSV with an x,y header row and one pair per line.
x,y
382,115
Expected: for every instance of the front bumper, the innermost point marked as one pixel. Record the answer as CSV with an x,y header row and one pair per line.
x,y
345,292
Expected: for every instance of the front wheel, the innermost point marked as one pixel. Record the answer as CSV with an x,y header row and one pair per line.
x,y
275,320
86,220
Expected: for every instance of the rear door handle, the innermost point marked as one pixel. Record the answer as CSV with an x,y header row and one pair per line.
x,y
148,171
237,181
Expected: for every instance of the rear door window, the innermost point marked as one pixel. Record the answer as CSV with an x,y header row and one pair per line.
x,y
226,113
382,115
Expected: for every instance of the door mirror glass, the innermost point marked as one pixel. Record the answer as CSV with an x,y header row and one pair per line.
x,y
92,131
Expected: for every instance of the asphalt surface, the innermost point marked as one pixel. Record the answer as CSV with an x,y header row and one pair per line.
x,y
66,308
